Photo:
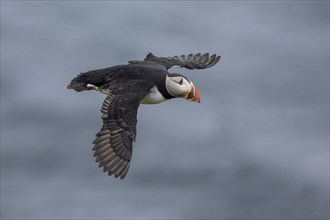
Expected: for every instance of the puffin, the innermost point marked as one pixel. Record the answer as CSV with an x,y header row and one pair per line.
x,y
126,87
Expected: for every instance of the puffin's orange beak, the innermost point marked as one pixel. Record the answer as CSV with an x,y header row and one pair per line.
x,y
69,86
193,94
197,97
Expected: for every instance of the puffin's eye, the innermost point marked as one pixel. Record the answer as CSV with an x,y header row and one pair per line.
x,y
181,81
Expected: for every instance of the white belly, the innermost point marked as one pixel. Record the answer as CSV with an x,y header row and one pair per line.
x,y
153,97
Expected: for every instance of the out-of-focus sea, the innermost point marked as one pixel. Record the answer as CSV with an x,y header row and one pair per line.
x,y
256,147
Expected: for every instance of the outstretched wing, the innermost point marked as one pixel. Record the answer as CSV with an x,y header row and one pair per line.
x,y
190,61
113,143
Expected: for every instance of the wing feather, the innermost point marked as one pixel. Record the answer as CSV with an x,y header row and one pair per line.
x,y
113,143
191,61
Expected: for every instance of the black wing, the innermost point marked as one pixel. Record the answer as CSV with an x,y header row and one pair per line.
x,y
113,143
190,61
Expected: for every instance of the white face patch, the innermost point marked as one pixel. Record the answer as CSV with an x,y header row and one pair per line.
x,y
177,86
153,97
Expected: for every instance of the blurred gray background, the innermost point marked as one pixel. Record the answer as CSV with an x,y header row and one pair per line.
x,y
257,147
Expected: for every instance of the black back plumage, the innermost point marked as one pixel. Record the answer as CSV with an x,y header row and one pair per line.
x,y
126,86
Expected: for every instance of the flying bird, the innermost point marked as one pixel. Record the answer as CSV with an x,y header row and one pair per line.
x,y
128,86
